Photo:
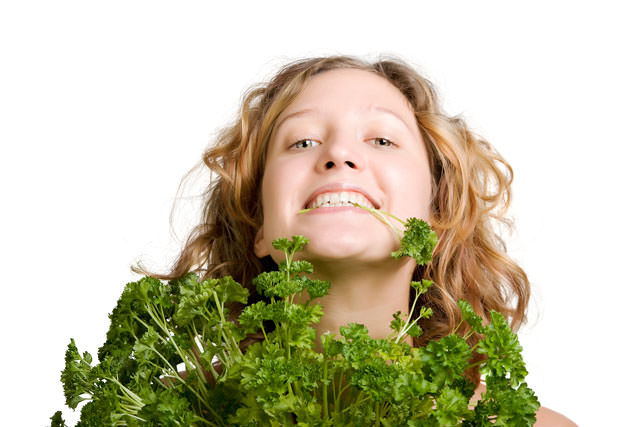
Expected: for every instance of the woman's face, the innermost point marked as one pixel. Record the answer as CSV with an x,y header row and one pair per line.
x,y
350,135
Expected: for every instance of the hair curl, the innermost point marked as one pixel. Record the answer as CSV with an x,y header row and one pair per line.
x,y
471,194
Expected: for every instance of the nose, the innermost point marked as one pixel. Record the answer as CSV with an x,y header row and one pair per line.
x,y
342,153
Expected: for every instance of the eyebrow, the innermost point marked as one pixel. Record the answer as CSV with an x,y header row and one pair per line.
x,y
307,111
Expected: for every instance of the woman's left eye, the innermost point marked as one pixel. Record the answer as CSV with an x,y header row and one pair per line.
x,y
383,142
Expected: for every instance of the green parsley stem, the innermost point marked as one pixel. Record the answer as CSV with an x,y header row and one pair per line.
x,y
406,328
207,422
478,363
235,348
182,355
264,334
382,216
457,327
136,418
129,395
325,401
379,214
162,325
177,376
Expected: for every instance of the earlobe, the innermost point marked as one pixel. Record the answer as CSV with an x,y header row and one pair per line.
x,y
259,248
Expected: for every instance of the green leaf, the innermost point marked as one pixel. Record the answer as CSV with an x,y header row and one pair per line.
x,y
301,267
167,408
414,331
196,300
425,312
282,244
143,348
299,242
445,360
289,247
231,291
57,420
452,408
422,286
417,242
253,316
470,316
269,283
508,405
503,350
354,331
317,288
77,376
398,322
330,345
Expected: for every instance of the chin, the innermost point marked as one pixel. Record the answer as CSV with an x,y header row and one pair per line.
x,y
348,247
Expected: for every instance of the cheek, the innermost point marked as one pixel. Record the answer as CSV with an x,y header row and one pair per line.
x,y
273,180
267,196
412,182
275,198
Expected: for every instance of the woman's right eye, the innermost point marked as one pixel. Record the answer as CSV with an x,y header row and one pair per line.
x,y
304,143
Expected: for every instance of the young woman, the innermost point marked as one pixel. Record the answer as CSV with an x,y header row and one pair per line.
x,y
326,133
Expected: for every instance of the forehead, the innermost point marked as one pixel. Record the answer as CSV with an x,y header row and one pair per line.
x,y
348,89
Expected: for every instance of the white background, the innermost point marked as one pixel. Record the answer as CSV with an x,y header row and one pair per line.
x,y
104,106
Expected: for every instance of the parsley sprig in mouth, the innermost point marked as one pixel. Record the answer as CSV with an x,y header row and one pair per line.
x,y
417,240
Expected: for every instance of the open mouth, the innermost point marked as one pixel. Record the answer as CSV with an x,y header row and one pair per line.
x,y
338,199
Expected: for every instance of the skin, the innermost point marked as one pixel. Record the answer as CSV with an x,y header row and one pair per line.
x,y
351,128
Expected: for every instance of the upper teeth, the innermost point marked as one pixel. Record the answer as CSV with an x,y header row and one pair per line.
x,y
344,198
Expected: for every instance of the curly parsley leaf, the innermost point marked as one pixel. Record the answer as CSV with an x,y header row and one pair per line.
x,y
417,242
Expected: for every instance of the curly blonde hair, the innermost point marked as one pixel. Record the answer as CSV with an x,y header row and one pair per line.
x,y
471,193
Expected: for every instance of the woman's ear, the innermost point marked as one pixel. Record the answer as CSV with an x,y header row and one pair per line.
x,y
260,248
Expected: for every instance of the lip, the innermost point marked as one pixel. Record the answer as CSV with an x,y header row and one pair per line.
x,y
341,186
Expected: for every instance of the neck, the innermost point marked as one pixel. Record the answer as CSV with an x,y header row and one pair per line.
x,y
367,294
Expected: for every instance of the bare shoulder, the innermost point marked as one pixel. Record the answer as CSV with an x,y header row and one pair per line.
x,y
545,417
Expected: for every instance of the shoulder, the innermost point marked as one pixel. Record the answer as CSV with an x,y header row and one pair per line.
x,y
545,417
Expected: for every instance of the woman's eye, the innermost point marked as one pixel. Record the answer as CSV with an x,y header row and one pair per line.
x,y
304,143
382,142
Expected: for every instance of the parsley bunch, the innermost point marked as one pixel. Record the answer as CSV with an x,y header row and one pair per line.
x,y
174,356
